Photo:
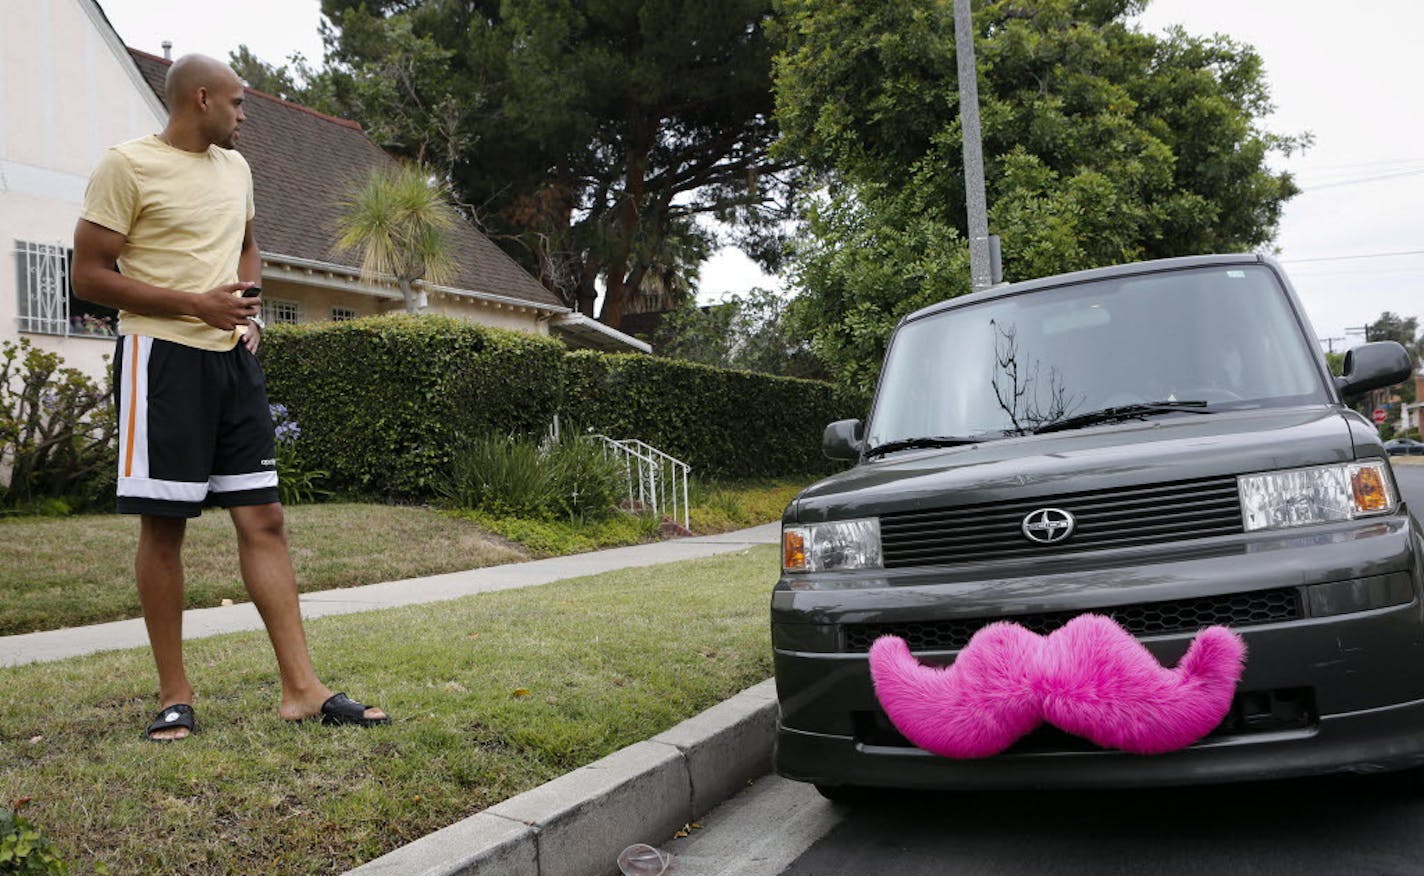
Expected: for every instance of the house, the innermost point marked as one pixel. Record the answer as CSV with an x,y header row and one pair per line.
x,y
69,88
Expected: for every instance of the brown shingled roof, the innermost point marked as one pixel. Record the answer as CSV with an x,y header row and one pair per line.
x,y
302,163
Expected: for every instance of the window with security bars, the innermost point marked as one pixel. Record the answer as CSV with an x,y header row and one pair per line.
x,y
280,310
342,314
47,304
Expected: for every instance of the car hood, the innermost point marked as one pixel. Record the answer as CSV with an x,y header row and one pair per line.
x,y
1170,448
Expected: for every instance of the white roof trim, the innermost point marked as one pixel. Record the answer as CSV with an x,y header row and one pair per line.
x,y
306,270
121,52
596,334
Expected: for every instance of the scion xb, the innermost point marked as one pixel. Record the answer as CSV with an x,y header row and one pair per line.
x,y
1162,443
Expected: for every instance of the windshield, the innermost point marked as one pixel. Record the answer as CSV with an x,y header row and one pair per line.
x,y
1225,336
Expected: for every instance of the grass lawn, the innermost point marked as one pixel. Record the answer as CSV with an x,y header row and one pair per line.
x,y
70,571
492,694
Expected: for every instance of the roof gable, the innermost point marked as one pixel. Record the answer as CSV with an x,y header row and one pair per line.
x,y
303,162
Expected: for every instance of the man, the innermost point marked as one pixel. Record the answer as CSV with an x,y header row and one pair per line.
x,y
166,238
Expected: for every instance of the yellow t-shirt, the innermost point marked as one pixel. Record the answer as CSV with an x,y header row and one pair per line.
x,y
184,214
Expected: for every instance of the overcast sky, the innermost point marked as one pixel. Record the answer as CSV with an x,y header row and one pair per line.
x,y
1350,75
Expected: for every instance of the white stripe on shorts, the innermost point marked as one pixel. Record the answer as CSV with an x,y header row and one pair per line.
x,y
172,491
237,483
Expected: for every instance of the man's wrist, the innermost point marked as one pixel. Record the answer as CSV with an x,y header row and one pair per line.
x,y
257,321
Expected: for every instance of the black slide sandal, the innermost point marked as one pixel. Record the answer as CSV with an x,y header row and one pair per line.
x,y
340,709
170,717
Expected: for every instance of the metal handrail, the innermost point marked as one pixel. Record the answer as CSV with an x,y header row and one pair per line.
x,y
659,476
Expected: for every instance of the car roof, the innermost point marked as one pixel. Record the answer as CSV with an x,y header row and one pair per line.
x,y
1091,275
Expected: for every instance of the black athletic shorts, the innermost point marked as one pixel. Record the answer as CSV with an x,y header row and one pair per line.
x,y
194,429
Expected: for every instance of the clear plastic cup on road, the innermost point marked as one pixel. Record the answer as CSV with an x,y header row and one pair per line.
x,y
641,859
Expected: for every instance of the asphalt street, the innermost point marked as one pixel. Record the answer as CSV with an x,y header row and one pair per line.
x,y
1337,824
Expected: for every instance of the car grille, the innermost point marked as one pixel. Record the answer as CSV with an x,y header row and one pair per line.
x,y
1145,619
1105,519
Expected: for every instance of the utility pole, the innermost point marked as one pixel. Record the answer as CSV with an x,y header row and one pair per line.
x,y
1329,343
981,274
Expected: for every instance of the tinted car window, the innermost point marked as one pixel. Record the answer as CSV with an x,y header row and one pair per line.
x,y
1222,335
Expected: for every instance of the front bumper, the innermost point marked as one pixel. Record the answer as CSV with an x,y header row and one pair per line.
x,y
1357,665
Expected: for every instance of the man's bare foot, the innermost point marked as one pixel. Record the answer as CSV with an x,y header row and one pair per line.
x,y
330,709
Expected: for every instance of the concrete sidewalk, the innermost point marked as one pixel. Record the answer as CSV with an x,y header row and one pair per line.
x,y
199,622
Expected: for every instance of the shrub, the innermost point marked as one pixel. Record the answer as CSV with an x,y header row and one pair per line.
x,y
57,431
501,475
507,476
588,482
23,849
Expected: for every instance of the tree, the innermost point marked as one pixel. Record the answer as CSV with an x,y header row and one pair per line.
x,y
743,332
587,137
396,218
294,81
1103,144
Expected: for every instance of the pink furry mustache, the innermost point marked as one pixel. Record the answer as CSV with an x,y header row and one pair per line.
x,y
1090,677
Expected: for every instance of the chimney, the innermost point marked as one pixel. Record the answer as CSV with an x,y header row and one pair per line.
x,y
167,50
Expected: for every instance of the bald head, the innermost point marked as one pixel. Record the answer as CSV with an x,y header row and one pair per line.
x,y
192,72
204,102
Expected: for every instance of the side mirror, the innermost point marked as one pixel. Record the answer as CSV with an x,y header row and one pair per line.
x,y
1371,366
843,440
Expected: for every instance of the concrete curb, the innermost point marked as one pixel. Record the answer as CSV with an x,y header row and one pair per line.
x,y
577,824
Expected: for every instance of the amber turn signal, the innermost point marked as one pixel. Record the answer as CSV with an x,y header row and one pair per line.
x,y
1368,485
793,549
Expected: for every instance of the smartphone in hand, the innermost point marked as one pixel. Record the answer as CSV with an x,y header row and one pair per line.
x,y
251,291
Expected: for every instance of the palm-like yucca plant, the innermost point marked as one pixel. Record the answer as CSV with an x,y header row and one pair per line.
x,y
396,217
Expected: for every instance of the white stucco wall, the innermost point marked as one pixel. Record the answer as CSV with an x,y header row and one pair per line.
x,y
66,94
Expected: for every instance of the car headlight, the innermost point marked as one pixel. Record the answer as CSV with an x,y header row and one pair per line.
x,y
828,547
1320,494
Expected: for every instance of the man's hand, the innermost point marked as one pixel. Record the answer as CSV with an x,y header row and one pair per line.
x,y
253,337
221,308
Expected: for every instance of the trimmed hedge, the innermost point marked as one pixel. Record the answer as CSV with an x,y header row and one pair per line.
x,y
723,423
382,401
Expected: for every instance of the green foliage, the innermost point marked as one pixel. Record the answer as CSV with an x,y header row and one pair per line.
x,y
554,537
57,432
588,481
590,134
297,481
570,478
397,217
748,332
723,423
23,849
384,401
501,475
1102,145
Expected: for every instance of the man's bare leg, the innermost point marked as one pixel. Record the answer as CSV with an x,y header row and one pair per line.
x,y
158,567
268,577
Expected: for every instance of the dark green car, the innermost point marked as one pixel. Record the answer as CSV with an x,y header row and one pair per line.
x,y
1161,443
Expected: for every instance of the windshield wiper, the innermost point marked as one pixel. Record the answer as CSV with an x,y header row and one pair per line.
x,y
926,441
1124,412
